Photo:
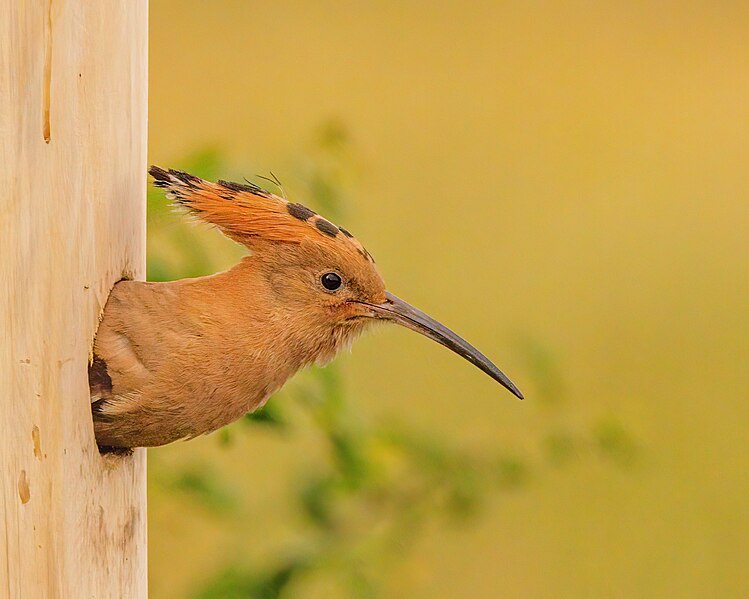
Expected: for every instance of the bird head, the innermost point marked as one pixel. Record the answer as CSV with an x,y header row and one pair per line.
x,y
318,272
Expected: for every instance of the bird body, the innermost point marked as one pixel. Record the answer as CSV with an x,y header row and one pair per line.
x,y
178,359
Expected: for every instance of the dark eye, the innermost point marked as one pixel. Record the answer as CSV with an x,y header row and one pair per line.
x,y
331,281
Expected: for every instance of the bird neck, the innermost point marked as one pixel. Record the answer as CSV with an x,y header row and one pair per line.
x,y
261,330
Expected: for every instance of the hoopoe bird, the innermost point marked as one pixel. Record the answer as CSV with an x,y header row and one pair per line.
x,y
178,359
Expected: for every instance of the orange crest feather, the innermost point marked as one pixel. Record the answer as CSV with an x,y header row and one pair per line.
x,y
247,213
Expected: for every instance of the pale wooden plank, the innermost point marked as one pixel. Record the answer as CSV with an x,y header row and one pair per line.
x,y
72,222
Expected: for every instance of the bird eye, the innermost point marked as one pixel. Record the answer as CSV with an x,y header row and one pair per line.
x,y
331,281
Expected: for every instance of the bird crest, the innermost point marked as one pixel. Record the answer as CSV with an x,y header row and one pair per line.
x,y
251,215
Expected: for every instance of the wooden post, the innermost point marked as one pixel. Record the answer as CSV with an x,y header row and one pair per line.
x,y
73,84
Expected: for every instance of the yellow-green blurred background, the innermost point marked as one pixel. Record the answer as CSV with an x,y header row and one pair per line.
x,y
566,184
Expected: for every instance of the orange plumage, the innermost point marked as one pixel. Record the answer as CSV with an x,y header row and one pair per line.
x,y
178,359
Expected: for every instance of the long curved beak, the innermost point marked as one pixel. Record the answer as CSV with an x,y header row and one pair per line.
x,y
396,310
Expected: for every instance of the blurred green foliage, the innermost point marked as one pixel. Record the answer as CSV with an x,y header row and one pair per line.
x,y
574,172
377,484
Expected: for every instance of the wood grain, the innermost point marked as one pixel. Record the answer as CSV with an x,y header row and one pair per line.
x,y
73,103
